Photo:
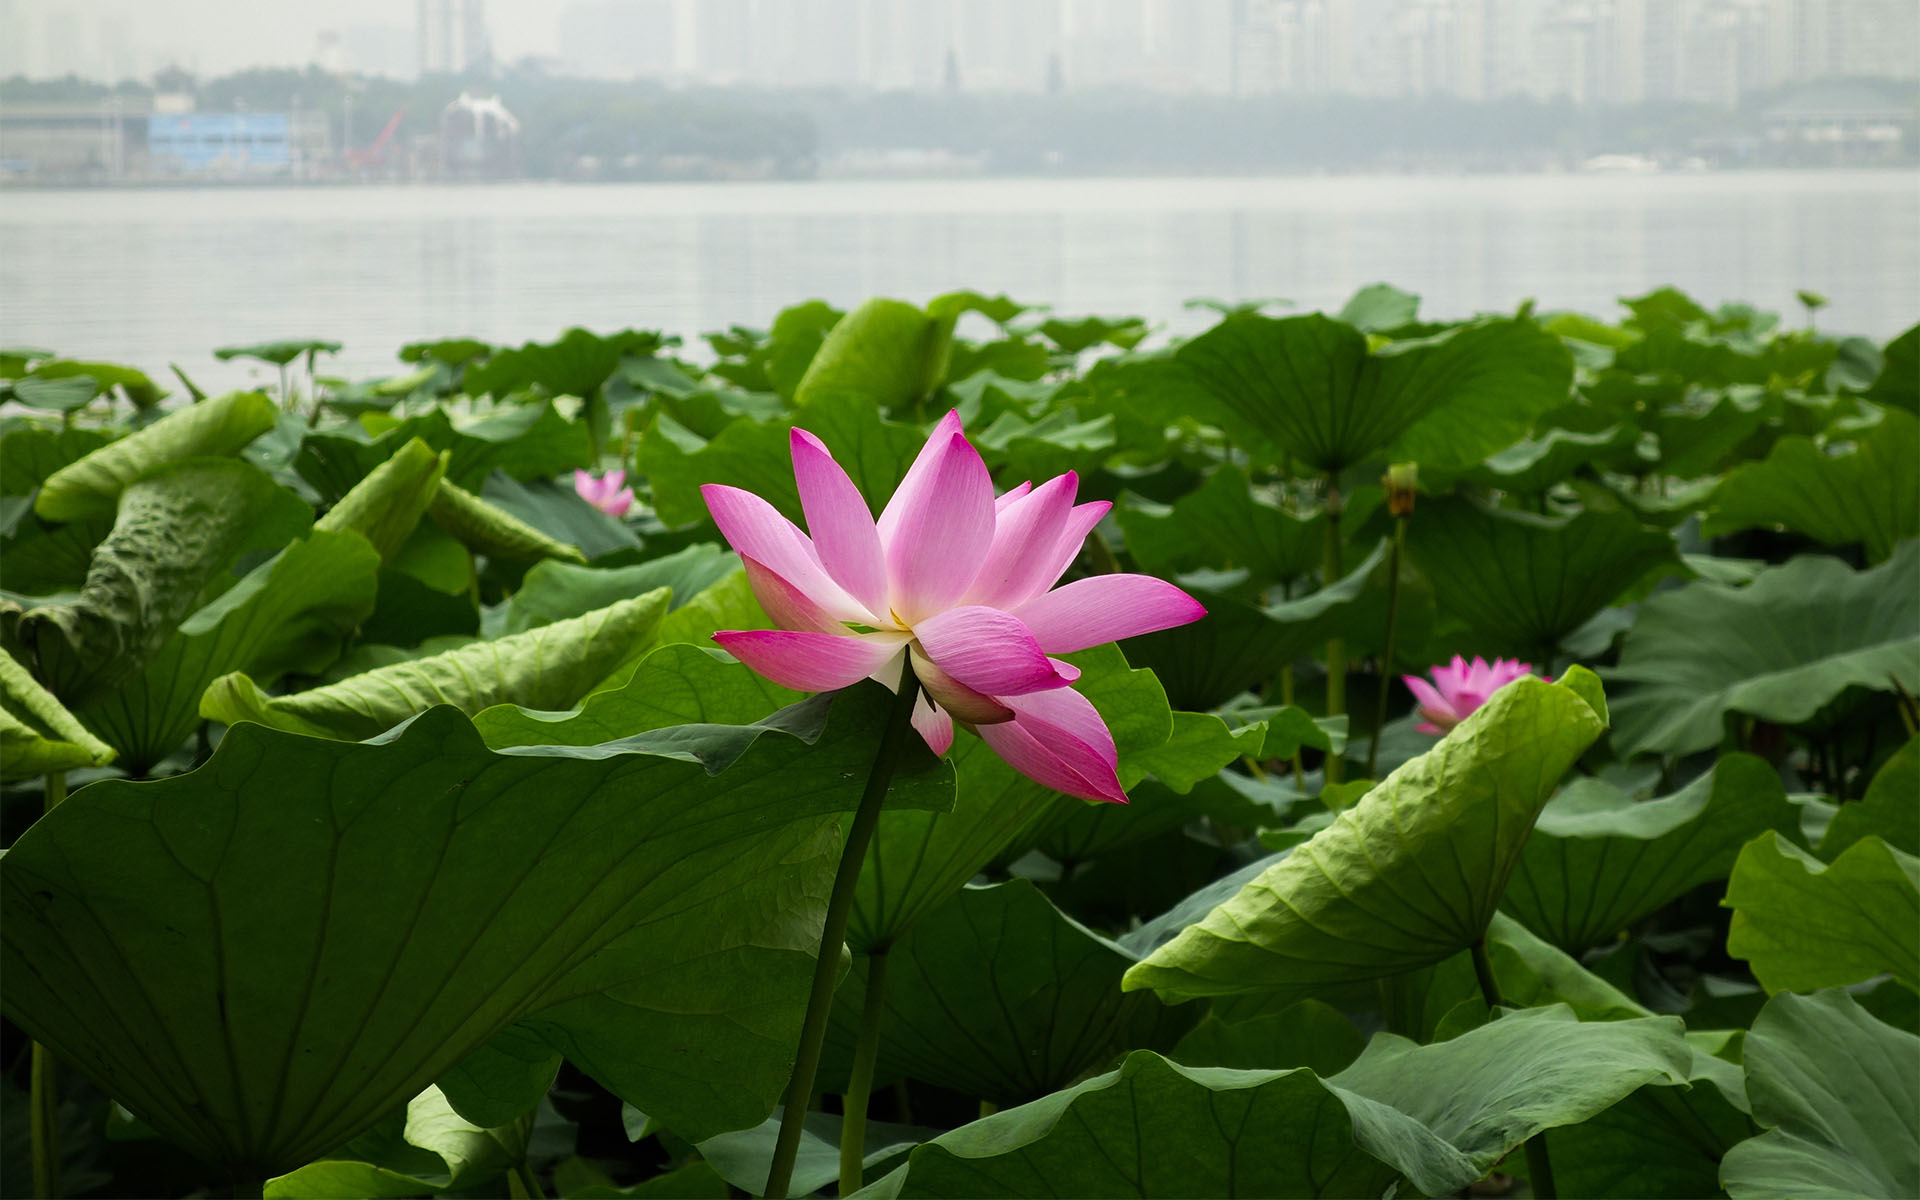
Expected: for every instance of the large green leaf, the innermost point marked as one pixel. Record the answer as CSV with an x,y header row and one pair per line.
x,y
433,1149
1802,924
1311,388
1779,649
530,441
387,504
1439,1116
550,667
1871,496
37,734
91,486
177,527
1599,861
485,529
1890,808
290,614
1898,384
262,957
1223,524
998,994
278,353
1523,582
1839,1093
553,591
45,556
1660,1142
575,364
1536,464
918,859
1406,877
755,455
887,354
674,685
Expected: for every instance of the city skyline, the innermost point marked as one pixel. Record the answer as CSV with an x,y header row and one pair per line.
x,y
1588,51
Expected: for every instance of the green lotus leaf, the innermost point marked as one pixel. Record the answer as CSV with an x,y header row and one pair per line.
x,y
575,364
484,529
63,395
386,505
1779,649
38,736
886,354
527,441
1237,646
1802,924
91,486
1660,1141
1222,524
1310,388
132,382
553,591
178,526
1307,1034
1887,810
1379,307
554,508
1839,1095
1532,466
919,859
673,685
1871,496
1408,876
433,1149
998,994
292,613
755,455
1439,1116
1599,861
651,915
44,556
1898,384
551,667
278,353
743,1157
1523,582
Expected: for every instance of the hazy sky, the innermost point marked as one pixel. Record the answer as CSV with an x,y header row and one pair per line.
x,y
213,37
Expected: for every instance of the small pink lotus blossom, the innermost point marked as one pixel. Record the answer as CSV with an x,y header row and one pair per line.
x,y
959,581
605,492
1459,688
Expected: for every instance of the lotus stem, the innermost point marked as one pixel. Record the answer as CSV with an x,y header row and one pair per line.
x,y
1335,769
1386,653
1104,560
1539,1166
1286,698
846,878
866,1052
521,1184
44,1111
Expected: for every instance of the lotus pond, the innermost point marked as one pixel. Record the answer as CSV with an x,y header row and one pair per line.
x,y
1337,754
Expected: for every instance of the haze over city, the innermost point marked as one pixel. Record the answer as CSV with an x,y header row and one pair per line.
x,y
1590,51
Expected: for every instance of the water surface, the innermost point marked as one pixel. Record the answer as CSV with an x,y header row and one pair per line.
x,y
164,275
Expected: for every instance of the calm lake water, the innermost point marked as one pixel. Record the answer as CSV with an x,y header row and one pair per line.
x,y
158,276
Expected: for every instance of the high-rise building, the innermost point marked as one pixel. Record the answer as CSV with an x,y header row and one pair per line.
x,y
451,36
619,39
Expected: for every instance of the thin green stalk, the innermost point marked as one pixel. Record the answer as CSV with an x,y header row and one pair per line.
x,y
43,1120
813,1028
866,1052
1386,654
1539,1166
1336,648
1286,698
521,1184
1104,561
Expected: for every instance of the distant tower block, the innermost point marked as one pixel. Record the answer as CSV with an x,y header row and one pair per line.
x,y
452,35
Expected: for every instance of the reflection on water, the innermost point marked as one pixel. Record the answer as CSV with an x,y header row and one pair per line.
x,y
162,276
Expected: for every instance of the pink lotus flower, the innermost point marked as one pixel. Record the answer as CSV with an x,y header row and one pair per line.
x,y
605,492
1459,688
960,582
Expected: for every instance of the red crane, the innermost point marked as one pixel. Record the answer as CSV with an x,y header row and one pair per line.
x,y
375,154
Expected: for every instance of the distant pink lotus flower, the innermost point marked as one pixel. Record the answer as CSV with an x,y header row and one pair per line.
x,y
1459,688
605,492
957,580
